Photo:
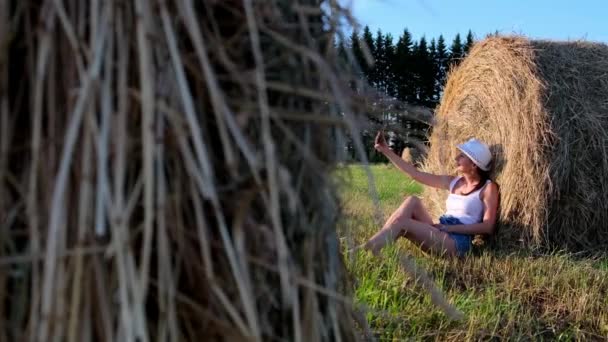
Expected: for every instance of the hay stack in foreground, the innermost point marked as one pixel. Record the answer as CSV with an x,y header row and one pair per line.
x,y
543,107
164,171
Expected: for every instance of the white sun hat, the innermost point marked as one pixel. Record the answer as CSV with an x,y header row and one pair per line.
x,y
478,152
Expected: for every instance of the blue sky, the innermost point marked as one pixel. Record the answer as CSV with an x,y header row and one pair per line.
x,y
540,19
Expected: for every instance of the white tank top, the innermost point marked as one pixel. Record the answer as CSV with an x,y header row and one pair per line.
x,y
467,208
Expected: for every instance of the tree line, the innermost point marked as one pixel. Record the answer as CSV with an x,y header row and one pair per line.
x,y
408,70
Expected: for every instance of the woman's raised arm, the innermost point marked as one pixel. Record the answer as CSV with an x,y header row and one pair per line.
x,y
436,181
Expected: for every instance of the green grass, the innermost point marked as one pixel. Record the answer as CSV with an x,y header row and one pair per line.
x,y
503,295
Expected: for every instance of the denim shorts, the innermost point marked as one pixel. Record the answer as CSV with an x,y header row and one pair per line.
x,y
463,241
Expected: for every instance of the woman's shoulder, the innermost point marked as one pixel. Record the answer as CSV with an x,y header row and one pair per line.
x,y
491,188
453,180
492,184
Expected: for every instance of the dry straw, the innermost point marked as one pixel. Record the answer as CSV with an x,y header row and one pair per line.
x,y
542,106
164,168
412,155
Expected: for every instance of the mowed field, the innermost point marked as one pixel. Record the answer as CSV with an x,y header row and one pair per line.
x,y
504,295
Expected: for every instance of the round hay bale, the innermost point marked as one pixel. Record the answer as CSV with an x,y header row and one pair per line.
x,y
542,107
412,155
406,155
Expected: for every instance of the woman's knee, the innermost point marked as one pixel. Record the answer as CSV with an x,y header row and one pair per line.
x,y
406,209
411,201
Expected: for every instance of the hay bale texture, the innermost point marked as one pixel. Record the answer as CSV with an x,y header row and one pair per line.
x,y
543,108
164,170
412,155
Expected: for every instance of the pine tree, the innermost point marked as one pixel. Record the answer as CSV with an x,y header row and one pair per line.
x,y
389,57
402,67
355,45
441,62
368,40
420,63
456,50
433,48
495,34
469,42
431,76
379,74
341,47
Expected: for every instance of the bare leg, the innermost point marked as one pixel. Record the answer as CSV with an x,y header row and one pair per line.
x,y
429,238
410,210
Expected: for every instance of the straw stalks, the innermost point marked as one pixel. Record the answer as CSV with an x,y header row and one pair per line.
x,y
164,169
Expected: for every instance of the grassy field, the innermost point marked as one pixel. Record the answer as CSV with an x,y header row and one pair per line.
x,y
514,296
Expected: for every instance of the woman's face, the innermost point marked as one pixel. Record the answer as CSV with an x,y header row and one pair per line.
x,y
464,164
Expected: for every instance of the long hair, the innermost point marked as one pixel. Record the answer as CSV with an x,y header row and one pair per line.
x,y
484,176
